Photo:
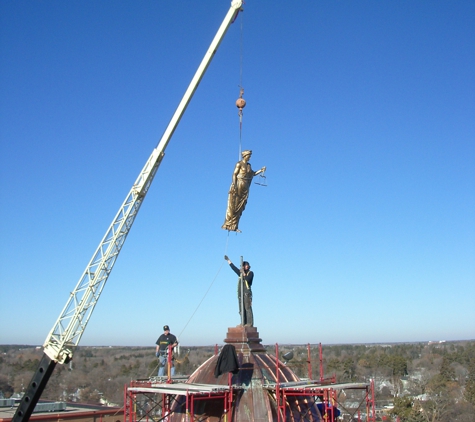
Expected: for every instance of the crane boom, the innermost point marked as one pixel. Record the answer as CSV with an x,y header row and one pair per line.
x,y
65,335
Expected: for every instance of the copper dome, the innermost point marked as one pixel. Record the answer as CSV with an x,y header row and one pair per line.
x,y
253,397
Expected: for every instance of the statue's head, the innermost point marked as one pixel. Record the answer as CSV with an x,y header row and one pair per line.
x,y
246,153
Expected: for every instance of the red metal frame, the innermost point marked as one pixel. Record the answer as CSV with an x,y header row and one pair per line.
x,y
280,403
320,356
328,394
130,401
372,403
309,362
169,364
324,390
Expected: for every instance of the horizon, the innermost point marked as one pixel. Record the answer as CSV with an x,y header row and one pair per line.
x,y
428,342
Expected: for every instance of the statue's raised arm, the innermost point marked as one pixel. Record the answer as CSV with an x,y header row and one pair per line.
x,y
239,191
262,170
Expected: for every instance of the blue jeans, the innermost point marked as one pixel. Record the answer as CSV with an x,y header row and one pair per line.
x,y
163,359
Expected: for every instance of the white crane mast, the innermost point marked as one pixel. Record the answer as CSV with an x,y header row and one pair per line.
x,y
70,325
66,333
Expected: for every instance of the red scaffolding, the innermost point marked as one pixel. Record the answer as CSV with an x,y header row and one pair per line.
x,y
327,390
151,400
160,397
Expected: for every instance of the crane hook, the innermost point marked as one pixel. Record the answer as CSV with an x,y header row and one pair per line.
x,y
240,102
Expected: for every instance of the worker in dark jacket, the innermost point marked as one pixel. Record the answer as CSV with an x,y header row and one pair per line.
x,y
165,344
246,275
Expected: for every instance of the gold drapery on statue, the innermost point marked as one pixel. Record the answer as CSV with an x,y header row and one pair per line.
x,y
239,191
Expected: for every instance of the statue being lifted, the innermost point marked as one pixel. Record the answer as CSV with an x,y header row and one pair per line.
x,y
239,191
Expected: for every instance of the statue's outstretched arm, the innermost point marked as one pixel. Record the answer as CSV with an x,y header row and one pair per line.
x,y
262,170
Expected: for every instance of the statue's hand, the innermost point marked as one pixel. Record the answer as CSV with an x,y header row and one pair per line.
x,y
226,258
263,169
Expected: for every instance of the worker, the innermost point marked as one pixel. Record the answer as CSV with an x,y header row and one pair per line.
x,y
162,350
326,412
247,277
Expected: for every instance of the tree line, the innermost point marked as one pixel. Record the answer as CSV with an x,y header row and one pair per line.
x,y
424,382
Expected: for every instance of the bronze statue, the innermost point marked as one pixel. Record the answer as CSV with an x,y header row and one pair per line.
x,y
239,191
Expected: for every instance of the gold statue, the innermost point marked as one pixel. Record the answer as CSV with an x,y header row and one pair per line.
x,y
239,191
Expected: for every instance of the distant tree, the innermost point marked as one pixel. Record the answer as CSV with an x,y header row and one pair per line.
x,y
21,379
89,395
469,392
438,409
444,382
398,366
447,372
5,386
444,394
464,412
461,372
53,389
402,408
349,369
125,369
334,365
86,353
416,415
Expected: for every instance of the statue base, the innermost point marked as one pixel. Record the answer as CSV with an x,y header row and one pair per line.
x,y
244,339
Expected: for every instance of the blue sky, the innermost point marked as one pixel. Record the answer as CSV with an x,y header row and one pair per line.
x,y
363,113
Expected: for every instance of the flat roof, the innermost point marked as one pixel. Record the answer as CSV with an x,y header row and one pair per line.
x,y
72,410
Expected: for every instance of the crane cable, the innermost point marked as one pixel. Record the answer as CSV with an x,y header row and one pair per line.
x,y
240,102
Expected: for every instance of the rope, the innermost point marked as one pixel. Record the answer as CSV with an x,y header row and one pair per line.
x,y
201,301
209,288
154,371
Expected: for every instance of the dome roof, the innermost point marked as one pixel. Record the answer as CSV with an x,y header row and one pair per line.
x,y
254,395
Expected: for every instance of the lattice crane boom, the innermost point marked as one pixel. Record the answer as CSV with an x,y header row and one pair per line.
x,y
70,326
65,335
